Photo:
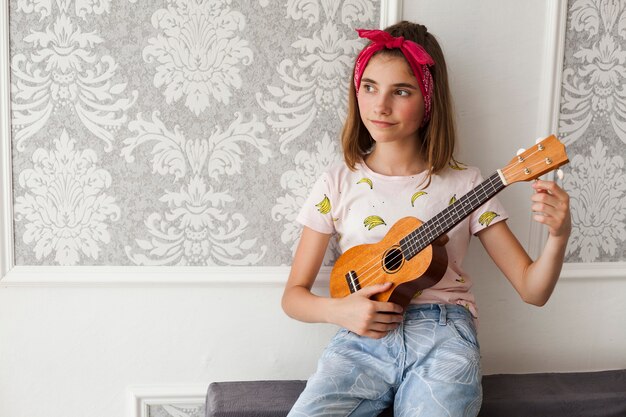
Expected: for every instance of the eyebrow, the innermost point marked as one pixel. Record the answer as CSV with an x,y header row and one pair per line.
x,y
399,85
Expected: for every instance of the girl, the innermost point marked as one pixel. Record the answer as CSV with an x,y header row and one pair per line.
x,y
398,143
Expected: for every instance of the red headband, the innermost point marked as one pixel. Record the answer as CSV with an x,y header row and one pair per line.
x,y
415,54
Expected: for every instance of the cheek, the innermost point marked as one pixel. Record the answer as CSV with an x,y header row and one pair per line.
x,y
364,105
413,112
362,101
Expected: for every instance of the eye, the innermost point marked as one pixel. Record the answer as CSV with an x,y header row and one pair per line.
x,y
403,93
368,88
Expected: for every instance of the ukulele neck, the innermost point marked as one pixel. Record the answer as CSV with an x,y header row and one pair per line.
x,y
427,233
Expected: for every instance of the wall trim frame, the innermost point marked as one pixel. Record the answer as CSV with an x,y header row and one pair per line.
x,y
548,123
141,397
549,96
6,181
391,12
594,270
79,276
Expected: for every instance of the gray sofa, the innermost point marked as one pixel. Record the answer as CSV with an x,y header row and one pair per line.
x,y
582,394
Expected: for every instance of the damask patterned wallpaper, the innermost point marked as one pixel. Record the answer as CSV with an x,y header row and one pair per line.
x,y
174,132
593,126
189,132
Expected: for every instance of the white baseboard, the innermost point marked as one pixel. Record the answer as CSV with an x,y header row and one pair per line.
x,y
142,397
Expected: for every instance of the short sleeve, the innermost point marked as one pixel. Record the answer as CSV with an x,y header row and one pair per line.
x,y
317,210
488,214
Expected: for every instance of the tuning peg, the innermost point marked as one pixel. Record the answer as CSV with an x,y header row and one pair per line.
x,y
560,173
520,151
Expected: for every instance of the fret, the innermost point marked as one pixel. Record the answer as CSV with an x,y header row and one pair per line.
x,y
452,215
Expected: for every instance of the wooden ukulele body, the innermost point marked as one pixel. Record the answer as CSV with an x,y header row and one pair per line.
x,y
382,262
427,261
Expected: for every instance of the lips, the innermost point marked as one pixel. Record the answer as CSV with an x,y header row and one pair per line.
x,y
382,124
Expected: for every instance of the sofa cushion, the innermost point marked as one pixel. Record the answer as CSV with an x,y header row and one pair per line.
x,y
582,394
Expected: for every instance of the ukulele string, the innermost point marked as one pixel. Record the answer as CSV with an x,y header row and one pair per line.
x,y
417,240
514,166
365,276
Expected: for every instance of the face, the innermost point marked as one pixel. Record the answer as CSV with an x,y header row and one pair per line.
x,y
390,101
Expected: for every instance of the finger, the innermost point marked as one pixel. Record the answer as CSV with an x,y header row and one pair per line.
x,y
371,290
549,204
383,327
388,318
550,186
554,221
386,307
543,195
552,218
558,201
375,334
544,208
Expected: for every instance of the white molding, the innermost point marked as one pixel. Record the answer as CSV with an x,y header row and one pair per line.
x,y
548,123
121,276
390,12
79,276
550,96
594,270
6,183
141,397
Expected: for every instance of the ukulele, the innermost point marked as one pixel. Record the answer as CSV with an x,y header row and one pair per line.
x,y
409,256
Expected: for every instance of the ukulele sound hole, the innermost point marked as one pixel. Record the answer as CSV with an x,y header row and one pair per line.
x,y
393,260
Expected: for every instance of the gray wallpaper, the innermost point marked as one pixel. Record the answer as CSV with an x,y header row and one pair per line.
x,y
189,132
593,126
174,132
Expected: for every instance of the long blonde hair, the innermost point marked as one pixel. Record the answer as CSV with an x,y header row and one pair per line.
x,y
437,137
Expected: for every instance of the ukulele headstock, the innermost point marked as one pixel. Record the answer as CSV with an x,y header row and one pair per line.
x,y
543,157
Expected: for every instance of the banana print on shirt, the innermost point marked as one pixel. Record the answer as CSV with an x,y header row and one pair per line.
x,y
416,196
487,217
324,205
372,221
366,181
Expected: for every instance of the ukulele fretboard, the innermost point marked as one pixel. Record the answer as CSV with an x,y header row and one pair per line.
x,y
445,220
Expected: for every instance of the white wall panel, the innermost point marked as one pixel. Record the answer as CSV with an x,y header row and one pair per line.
x,y
98,347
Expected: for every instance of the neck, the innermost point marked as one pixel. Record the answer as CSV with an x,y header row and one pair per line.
x,y
385,159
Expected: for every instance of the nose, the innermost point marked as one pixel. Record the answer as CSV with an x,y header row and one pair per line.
x,y
382,104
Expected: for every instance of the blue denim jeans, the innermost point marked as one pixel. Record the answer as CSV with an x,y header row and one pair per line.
x,y
429,366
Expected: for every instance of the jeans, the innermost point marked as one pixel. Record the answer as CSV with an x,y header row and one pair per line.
x,y
428,366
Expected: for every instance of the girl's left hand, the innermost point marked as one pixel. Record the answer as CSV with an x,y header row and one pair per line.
x,y
551,207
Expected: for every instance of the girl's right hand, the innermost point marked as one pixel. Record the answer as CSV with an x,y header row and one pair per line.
x,y
366,317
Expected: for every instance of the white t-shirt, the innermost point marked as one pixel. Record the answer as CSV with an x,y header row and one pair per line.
x,y
362,205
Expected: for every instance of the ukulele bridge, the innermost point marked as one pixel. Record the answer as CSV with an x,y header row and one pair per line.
x,y
353,282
